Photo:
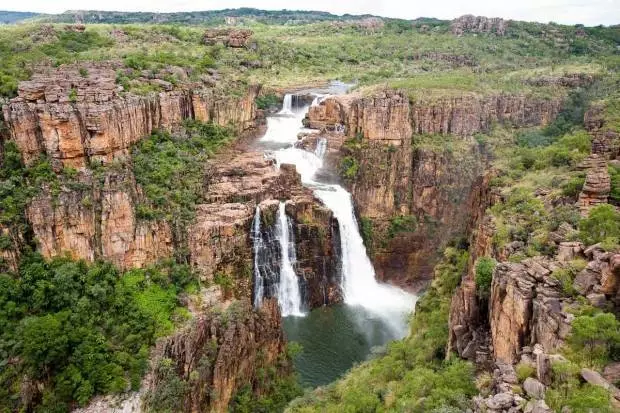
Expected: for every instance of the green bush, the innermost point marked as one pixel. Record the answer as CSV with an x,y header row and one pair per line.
x,y
484,275
525,370
574,186
566,391
349,166
267,101
594,339
602,222
402,223
614,174
367,232
80,329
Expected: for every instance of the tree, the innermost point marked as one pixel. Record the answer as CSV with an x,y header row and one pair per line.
x,y
594,337
603,222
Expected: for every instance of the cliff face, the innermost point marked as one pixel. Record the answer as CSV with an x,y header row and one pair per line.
x,y
389,115
219,353
76,119
399,173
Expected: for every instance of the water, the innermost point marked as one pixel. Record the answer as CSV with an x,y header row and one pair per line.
x,y
334,338
289,296
257,241
373,313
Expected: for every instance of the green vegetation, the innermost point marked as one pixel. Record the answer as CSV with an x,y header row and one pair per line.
x,y
602,224
414,375
171,169
349,166
594,340
367,232
566,391
484,275
267,101
524,370
402,223
614,174
79,330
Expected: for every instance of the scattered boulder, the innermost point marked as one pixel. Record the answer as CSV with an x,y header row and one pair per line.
x,y
611,372
500,401
595,379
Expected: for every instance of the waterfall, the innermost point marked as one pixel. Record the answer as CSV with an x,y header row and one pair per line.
x,y
289,296
321,148
257,241
287,105
358,276
359,286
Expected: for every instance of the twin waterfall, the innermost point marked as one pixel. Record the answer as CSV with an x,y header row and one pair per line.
x,y
359,285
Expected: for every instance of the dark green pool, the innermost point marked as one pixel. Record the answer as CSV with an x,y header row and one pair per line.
x,y
335,338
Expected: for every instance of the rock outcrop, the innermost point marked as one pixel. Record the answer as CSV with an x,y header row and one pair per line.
x,y
605,139
76,118
228,37
478,24
526,306
597,185
221,352
388,115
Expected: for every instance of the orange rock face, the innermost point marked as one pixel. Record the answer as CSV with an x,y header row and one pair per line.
x,y
75,119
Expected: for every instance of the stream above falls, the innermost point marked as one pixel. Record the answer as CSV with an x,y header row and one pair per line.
x,y
335,337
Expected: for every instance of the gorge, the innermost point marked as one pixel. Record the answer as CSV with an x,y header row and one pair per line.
x,y
196,217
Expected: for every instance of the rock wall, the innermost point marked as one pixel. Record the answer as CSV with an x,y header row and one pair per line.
x,y
389,115
77,119
478,24
221,352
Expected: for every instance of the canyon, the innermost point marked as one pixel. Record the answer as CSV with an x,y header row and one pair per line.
x,y
440,235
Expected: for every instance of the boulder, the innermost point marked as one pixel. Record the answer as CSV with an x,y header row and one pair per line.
x,y
534,388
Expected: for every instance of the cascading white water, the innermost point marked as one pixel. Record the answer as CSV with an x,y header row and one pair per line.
x,y
257,241
321,148
287,105
289,295
359,285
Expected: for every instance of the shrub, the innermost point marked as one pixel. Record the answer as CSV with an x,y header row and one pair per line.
x,y
81,329
602,222
484,275
267,101
524,370
594,339
349,167
614,174
402,223
367,232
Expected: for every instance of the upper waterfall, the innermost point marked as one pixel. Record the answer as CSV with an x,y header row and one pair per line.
x,y
359,285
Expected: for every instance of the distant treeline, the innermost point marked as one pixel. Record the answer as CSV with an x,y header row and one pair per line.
x,y
7,17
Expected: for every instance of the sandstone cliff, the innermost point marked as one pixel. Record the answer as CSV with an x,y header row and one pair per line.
x,y
400,171
76,119
218,354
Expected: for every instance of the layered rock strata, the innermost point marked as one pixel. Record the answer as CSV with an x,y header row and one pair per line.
x,y
221,352
76,119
